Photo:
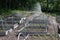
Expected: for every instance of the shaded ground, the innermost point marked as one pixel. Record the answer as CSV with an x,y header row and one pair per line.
x,y
53,25
11,36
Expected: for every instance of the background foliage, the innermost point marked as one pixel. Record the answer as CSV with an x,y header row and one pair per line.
x,y
47,5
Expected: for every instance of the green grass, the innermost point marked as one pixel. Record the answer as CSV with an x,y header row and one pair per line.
x,y
25,13
53,14
4,13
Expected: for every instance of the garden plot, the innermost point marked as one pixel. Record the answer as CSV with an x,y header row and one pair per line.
x,y
36,26
41,17
42,37
34,30
4,29
39,22
12,20
38,29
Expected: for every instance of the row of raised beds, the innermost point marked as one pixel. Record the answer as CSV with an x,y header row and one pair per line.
x,y
37,26
8,24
